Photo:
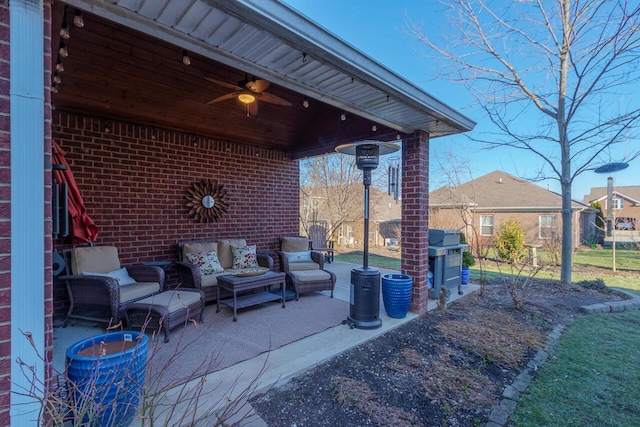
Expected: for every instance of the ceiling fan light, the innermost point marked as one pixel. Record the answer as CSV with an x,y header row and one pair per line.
x,y
246,98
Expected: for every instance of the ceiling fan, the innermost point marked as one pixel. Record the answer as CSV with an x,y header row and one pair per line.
x,y
248,92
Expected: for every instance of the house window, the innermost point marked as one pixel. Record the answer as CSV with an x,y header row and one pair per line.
x,y
548,227
350,236
617,203
486,225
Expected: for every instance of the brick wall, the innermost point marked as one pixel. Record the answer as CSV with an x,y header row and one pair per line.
x,y
134,181
5,221
415,224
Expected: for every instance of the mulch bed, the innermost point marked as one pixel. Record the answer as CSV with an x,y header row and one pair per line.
x,y
445,368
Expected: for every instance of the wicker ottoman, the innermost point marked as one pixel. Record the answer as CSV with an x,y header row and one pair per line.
x,y
166,310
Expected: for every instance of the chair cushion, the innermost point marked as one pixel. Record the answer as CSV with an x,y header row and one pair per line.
x,y
197,247
244,256
301,266
139,290
121,275
206,261
172,300
297,256
311,275
101,259
224,251
294,244
210,280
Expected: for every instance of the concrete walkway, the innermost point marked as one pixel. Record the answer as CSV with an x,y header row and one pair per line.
x,y
291,360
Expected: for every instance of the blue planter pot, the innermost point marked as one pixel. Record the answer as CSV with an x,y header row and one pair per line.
x,y
464,276
396,294
106,377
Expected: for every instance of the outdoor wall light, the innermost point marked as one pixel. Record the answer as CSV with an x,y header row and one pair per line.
x,y
59,66
185,58
62,50
374,128
305,102
343,116
64,30
56,78
78,20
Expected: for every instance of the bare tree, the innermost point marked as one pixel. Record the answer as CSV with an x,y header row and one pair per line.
x,y
331,191
555,77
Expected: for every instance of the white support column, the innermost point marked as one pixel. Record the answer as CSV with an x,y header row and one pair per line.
x,y
27,202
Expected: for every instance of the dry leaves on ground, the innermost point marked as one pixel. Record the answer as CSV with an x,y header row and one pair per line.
x,y
447,367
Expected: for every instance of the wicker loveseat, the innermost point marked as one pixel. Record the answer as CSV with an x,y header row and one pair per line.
x,y
191,275
101,289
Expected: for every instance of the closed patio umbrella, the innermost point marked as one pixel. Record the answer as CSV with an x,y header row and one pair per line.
x,y
83,229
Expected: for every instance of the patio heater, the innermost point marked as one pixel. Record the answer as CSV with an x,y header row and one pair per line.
x,y
364,308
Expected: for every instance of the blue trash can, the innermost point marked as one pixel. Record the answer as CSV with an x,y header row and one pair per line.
x,y
106,377
396,294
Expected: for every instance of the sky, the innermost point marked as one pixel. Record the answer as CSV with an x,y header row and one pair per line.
x,y
378,28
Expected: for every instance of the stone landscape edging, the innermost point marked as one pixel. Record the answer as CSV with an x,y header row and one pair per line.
x,y
500,413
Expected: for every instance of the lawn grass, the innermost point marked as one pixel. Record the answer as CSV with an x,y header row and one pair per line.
x,y
626,260
592,378
380,261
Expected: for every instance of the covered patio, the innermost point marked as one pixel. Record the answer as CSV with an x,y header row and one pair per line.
x,y
132,108
267,369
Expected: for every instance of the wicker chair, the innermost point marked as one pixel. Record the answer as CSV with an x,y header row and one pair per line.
x,y
304,268
101,289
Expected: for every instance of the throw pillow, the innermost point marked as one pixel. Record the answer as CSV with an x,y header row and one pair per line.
x,y
121,275
298,256
244,256
206,261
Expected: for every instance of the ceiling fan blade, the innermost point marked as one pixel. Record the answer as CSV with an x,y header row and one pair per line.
x,y
274,99
258,85
253,109
221,83
222,98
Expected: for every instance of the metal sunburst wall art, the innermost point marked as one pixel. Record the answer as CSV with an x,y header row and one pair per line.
x,y
207,201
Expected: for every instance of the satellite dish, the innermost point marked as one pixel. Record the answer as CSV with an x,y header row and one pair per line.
x,y
611,167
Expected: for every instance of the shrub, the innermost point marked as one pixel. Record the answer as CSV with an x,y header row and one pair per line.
x,y
509,242
467,259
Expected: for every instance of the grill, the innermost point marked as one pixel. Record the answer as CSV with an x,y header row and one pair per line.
x,y
445,261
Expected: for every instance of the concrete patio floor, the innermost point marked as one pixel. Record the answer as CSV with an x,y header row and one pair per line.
x,y
277,366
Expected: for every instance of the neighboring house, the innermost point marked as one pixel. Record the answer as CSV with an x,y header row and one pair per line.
x,y
625,205
484,203
345,224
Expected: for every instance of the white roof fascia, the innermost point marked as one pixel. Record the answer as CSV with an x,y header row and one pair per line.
x,y
304,33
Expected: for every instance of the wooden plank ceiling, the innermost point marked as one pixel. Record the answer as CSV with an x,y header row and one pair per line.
x,y
115,72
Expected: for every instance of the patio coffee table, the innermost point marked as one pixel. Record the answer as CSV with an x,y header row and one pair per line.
x,y
166,310
235,284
